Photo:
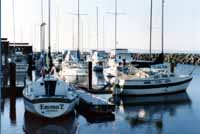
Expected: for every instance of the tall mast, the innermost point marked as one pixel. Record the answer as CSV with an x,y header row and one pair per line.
x,y
78,15
58,28
1,76
150,38
73,34
42,30
97,28
49,34
13,6
42,11
115,24
163,2
103,32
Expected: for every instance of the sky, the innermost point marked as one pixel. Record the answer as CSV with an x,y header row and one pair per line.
x,y
181,24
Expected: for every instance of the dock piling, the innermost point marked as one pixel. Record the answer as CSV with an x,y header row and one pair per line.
x,y
89,75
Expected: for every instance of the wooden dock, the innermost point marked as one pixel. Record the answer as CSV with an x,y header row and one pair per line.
x,y
94,108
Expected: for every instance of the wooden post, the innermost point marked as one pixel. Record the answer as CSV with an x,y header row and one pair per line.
x,y
89,75
30,68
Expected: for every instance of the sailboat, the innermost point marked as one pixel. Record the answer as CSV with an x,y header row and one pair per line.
x,y
134,81
73,68
49,96
99,56
118,56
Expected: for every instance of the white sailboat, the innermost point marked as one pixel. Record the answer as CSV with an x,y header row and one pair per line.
x,y
133,81
49,96
74,69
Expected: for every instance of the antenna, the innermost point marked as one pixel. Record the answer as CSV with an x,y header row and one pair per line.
x,y
150,33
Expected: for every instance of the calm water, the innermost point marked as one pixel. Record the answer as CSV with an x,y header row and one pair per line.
x,y
177,113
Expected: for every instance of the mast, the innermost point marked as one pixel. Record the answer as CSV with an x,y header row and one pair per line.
x,y
73,34
78,15
42,30
57,29
42,11
150,34
13,6
103,32
115,24
163,3
1,76
97,28
49,34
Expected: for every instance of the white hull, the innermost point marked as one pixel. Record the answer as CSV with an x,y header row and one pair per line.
x,y
178,86
50,97
152,91
75,78
50,109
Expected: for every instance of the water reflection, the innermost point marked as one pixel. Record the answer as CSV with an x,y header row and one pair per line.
x,y
98,78
38,125
13,110
149,110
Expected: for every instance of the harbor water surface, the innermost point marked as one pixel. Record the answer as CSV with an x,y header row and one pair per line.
x,y
169,114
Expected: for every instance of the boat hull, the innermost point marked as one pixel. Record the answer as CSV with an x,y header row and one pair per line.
x,y
75,78
174,87
50,109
